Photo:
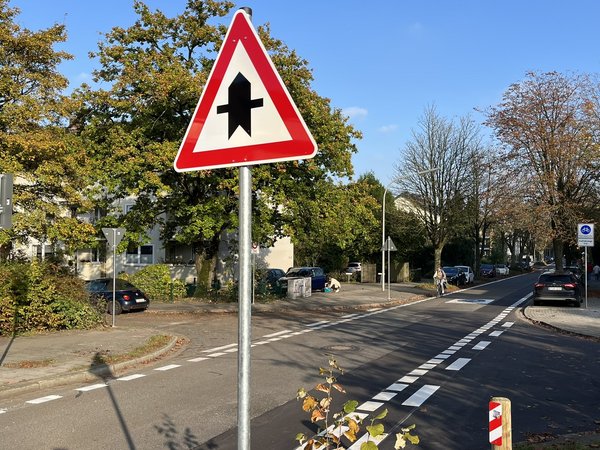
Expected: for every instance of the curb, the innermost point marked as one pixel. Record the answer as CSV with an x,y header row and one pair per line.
x,y
104,372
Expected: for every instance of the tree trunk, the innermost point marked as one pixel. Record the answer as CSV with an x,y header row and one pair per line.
x,y
559,248
437,256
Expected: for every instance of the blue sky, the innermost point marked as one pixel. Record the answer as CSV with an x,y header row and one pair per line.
x,y
382,62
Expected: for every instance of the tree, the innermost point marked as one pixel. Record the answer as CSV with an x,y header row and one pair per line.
x,y
155,71
551,147
444,147
47,160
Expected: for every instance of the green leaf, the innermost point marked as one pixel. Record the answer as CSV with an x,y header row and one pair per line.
x,y
381,415
375,430
350,406
369,445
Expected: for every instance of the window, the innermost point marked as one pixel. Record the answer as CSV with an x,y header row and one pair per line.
x,y
144,254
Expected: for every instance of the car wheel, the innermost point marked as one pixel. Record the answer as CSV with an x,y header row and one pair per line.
x,y
118,308
577,303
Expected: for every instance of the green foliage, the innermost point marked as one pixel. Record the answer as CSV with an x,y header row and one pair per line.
x,y
42,297
156,282
336,426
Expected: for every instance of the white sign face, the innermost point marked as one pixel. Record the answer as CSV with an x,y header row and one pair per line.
x,y
585,235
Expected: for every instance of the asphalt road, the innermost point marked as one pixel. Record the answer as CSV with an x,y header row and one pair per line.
x,y
434,363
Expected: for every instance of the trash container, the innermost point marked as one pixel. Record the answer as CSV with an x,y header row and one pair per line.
x,y
298,287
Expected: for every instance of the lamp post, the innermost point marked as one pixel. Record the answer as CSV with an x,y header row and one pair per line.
x,y
395,180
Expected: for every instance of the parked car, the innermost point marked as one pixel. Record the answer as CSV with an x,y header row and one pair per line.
x,y
575,270
557,287
316,274
127,296
502,269
353,267
470,275
455,275
487,271
270,278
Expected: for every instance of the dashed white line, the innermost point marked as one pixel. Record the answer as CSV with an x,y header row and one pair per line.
x,y
418,372
219,348
508,324
481,345
496,333
369,406
135,376
200,358
214,355
91,387
385,396
47,398
458,364
407,379
397,387
276,334
419,397
169,367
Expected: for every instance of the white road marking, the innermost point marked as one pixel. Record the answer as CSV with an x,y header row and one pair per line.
x,y
219,348
214,355
169,367
496,333
200,358
135,376
385,396
397,387
427,366
322,322
369,406
47,398
458,364
419,397
508,324
407,379
276,334
418,372
91,387
481,345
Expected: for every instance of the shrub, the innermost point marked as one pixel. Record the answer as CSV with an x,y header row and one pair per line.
x,y
156,282
42,296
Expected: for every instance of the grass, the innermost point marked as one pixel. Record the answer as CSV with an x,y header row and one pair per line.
x,y
28,364
153,344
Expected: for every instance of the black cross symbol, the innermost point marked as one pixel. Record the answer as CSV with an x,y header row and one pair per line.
x,y
240,105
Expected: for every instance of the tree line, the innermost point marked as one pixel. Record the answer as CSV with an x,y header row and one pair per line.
x,y
100,144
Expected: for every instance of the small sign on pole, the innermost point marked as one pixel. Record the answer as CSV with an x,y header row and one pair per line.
x,y
585,235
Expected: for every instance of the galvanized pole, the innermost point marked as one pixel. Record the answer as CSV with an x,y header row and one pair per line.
x,y
388,245
114,275
244,302
585,271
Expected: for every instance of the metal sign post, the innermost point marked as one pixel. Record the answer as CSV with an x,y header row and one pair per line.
x,y
585,239
390,247
113,238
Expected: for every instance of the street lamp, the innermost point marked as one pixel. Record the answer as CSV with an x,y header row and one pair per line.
x,y
395,180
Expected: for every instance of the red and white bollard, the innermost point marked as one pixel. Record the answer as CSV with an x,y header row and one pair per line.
x,y
500,424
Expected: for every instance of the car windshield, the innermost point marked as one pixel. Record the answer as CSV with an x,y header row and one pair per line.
x,y
107,285
487,266
450,270
354,265
298,273
555,278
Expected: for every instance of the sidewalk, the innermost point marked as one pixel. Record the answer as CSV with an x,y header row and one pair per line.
x,y
29,363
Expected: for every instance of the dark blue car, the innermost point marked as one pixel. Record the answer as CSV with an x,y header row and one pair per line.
x,y
316,274
127,296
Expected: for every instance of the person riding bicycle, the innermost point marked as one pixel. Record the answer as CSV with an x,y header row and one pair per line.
x,y
439,279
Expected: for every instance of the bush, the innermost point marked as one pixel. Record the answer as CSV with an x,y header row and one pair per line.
x,y
156,282
41,296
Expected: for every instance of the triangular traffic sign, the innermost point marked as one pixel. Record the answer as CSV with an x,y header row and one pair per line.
x,y
245,114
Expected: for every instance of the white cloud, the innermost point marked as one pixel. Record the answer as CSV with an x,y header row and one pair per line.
x,y
388,128
83,76
355,112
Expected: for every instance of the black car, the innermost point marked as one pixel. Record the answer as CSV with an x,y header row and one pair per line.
x,y
575,270
455,275
127,296
557,287
487,270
